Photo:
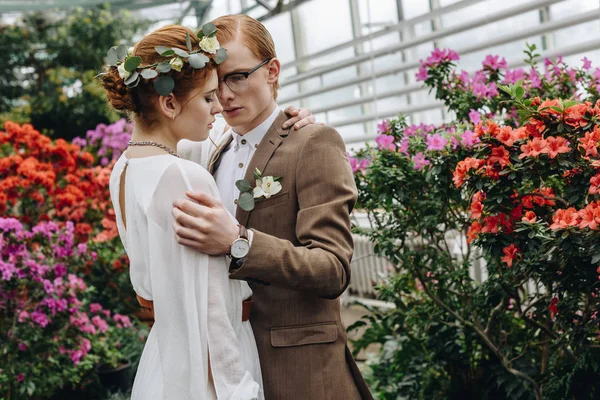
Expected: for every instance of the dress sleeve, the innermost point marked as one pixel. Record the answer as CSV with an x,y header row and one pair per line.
x,y
188,293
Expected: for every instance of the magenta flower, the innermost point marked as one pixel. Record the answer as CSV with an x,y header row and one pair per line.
x,y
494,62
514,76
60,270
422,75
440,55
77,356
587,64
464,78
534,78
22,347
23,316
100,323
40,318
404,146
7,270
468,139
384,126
20,377
436,142
122,321
420,161
474,116
385,142
95,307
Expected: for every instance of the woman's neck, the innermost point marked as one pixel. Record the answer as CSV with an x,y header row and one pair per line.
x,y
154,135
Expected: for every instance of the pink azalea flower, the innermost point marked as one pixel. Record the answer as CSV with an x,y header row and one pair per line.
x,y
464,78
23,316
468,138
20,378
494,62
474,116
436,142
422,75
40,318
22,347
420,161
404,143
76,356
386,142
587,64
100,323
384,126
95,307
122,321
60,270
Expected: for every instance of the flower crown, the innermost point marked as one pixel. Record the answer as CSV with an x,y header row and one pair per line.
x,y
131,71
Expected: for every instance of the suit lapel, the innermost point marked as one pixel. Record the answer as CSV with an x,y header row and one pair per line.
x,y
263,154
215,160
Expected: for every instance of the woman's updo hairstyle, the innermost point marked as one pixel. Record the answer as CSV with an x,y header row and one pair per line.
x,y
141,100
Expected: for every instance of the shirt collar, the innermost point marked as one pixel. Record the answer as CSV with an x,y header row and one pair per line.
x,y
256,135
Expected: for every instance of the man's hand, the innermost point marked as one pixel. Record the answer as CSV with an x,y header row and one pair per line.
x,y
204,224
300,117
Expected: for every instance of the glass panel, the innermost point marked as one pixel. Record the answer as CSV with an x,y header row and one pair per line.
x,y
324,24
414,8
280,27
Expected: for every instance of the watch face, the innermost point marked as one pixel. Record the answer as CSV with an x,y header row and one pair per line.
x,y
240,248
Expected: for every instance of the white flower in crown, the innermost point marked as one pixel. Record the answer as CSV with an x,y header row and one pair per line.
x,y
176,64
209,44
266,187
123,73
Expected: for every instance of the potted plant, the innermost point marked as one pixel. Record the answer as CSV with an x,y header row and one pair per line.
x,y
118,347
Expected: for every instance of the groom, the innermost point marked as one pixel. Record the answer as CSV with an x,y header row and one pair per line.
x,y
297,249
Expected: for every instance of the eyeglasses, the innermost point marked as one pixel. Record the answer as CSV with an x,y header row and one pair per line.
x,y
238,81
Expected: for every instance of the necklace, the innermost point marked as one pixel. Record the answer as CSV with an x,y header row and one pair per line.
x,y
150,143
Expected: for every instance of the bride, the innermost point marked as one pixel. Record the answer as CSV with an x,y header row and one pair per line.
x,y
201,345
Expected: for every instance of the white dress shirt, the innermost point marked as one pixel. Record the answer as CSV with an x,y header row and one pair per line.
x,y
235,160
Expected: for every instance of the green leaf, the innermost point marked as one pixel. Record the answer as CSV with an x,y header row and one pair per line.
x,y
221,55
163,67
149,74
112,57
122,52
164,51
243,185
188,41
208,29
257,173
181,53
246,201
164,85
519,92
134,75
132,63
198,60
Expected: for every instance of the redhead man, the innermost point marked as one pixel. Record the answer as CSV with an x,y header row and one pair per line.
x,y
296,252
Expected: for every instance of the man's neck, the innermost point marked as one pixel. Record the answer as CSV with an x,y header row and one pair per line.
x,y
260,118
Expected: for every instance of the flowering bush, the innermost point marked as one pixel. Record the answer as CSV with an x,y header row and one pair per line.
x,y
107,141
42,180
514,179
45,180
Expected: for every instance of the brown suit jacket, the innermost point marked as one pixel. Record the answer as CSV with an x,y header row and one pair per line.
x,y
299,264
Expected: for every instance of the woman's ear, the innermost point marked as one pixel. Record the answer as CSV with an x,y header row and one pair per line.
x,y
274,70
168,106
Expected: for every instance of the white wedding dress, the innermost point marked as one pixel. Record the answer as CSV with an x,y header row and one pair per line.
x,y
198,310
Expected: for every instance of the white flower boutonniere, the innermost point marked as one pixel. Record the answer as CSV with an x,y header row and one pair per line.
x,y
266,186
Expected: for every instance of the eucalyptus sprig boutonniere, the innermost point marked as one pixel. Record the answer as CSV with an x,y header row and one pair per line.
x,y
266,186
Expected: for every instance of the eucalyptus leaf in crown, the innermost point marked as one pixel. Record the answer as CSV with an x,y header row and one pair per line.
x,y
131,70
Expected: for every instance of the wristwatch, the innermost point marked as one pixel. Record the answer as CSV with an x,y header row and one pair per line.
x,y
240,246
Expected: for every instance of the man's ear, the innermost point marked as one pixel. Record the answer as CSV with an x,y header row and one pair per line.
x,y
274,70
168,106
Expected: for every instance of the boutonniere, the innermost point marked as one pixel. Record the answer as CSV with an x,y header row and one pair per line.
x,y
265,187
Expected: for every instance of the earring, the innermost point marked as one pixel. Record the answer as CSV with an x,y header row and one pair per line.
x,y
173,114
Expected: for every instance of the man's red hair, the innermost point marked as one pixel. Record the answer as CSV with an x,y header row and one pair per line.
x,y
252,33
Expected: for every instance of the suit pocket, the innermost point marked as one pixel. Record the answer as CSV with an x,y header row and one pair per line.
x,y
304,334
279,198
